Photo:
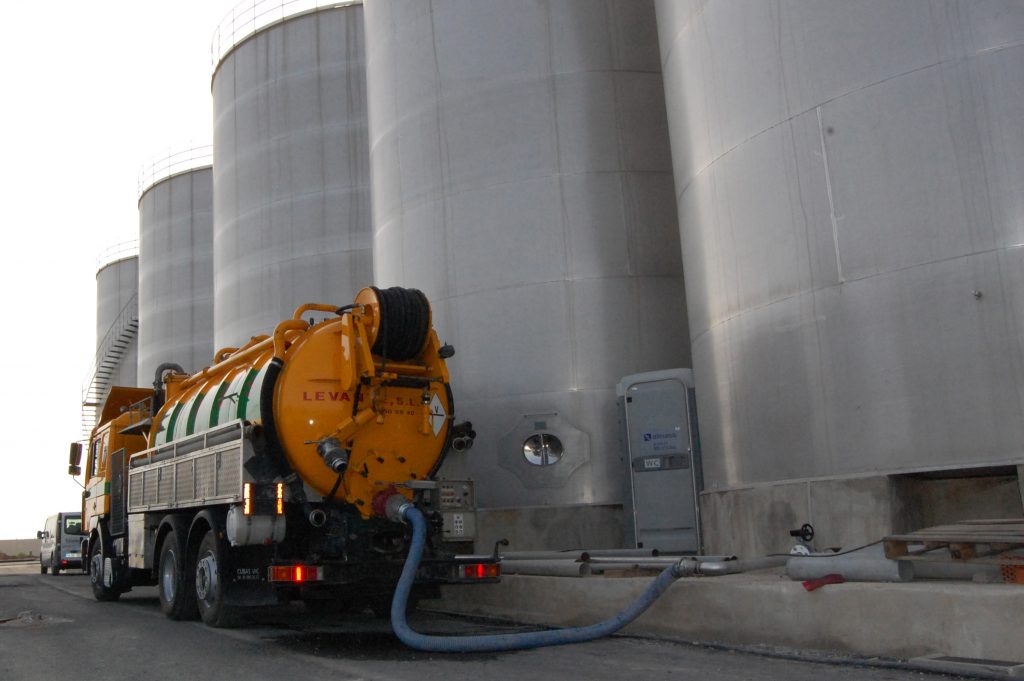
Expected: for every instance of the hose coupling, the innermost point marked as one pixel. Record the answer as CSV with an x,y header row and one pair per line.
x,y
686,567
317,518
463,436
333,454
395,507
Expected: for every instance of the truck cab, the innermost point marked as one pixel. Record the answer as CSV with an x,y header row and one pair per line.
x,y
117,437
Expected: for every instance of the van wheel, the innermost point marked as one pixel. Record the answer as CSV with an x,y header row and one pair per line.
x,y
177,595
210,584
100,591
42,568
56,566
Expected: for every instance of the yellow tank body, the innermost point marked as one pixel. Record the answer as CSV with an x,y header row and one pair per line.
x,y
369,385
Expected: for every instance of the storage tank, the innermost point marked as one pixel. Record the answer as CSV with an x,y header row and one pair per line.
x,y
176,264
291,181
522,179
117,320
851,194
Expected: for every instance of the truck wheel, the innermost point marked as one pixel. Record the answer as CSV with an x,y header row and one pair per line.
x,y
177,596
210,584
100,591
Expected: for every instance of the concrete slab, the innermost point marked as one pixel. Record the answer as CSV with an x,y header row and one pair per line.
x,y
970,666
900,620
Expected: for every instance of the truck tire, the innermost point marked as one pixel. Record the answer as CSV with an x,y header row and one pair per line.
x,y
97,557
210,584
174,587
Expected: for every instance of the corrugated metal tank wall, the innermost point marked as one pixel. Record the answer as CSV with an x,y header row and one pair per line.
x,y
291,178
176,272
522,179
851,198
117,287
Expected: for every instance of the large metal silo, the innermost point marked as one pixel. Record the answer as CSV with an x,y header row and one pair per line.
x,y
522,179
117,324
291,179
176,272
117,288
851,201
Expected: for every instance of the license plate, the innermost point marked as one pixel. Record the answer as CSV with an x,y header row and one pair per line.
x,y
73,555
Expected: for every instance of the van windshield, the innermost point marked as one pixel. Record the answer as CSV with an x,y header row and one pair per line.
x,y
72,526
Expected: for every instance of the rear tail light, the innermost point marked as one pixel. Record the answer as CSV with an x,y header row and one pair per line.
x,y
296,574
479,571
280,498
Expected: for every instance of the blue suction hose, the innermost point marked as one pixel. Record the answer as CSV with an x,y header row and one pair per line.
x,y
497,642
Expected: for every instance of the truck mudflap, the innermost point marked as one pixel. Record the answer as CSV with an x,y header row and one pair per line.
x,y
248,582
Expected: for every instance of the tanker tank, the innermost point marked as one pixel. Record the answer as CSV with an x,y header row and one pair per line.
x,y
291,206
850,198
176,263
350,428
522,178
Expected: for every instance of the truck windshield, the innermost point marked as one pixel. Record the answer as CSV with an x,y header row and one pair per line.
x,y
72,526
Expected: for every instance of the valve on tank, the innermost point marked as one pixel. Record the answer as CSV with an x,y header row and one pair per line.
x,y
334,455
463,436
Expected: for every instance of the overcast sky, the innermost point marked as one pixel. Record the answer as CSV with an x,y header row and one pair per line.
x,y
91,93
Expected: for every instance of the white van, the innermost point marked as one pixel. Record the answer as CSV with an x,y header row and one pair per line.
x,y
61,546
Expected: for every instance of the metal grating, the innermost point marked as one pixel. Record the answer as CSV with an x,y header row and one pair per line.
x,y
165,489
229,477
135,490
118,485
206,479
149,487
184,481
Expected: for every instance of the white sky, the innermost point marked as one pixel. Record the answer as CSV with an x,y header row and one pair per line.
x,y
91,92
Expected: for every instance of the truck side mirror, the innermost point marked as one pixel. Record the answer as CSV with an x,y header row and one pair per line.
x,y
75,456
39,535
74,470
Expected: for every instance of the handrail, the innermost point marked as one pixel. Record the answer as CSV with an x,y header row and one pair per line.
x,y
174,163
251,16
117,251
93,387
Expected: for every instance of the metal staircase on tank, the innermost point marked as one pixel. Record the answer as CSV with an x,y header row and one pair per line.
x,y
109,353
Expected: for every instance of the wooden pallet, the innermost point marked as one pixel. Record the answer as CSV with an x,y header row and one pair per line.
x,y
981,541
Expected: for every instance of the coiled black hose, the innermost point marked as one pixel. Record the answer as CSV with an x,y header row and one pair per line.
x,y
404,323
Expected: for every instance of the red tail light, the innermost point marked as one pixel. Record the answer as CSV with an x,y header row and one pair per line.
x,y
296,574
480,571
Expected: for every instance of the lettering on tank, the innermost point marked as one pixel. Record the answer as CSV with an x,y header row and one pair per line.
x,y
325,396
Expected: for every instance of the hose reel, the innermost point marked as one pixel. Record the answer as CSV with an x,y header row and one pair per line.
x,y
403,320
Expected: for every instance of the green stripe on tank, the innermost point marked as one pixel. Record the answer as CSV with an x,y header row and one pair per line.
x,y
217,399
190,427
174,420
243,394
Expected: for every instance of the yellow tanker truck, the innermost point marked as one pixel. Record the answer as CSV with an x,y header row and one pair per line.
x,y
266,476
